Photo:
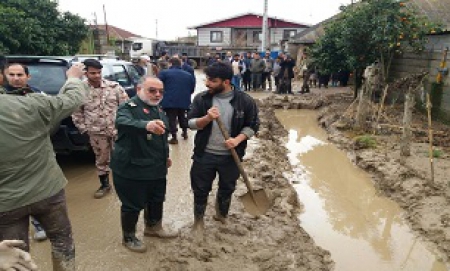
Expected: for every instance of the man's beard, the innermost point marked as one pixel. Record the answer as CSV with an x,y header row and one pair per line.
x,y
146,100
217,90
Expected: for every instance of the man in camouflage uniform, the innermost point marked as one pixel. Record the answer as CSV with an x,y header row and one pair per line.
x,y
96,117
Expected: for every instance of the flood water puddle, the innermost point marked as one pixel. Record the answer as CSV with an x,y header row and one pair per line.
x,y
342,211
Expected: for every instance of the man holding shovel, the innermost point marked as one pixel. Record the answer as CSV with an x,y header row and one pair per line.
x,y
239,113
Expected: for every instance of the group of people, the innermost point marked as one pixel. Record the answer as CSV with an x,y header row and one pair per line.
x,y
251,71
130,137
313,77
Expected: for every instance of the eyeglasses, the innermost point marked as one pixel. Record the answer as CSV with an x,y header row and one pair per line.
x,y
153,90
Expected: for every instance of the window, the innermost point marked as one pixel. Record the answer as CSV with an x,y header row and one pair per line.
x,y
137,46
257,35
216,36
121,75
287,34
47,78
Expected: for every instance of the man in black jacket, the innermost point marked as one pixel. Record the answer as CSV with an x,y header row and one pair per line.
x,y
212,156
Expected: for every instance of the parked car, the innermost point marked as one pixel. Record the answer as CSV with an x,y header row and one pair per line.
x,y
48,74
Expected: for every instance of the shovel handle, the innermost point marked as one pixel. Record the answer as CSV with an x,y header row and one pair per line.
x,y
236,158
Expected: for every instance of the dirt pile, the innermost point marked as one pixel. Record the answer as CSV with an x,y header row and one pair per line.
x,y
427,204
274,241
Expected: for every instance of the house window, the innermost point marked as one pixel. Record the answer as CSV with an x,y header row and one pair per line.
x,y
257,35
287,34
216,36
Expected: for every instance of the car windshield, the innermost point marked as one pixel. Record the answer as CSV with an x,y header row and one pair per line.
x,y
137,46
47,78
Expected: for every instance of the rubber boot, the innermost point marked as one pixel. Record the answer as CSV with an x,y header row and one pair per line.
x,y
105,187
130,241
222,207
64,263
198,228
153,221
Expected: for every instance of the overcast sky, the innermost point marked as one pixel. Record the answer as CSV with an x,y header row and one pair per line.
x,y
175,16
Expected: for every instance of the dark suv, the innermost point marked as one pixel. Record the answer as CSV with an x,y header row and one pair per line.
x,y
48,74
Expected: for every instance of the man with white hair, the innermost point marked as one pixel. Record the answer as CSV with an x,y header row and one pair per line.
x,y
145,67
140,161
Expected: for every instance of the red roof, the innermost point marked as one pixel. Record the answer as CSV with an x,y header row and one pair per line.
x,y
249,20
116,32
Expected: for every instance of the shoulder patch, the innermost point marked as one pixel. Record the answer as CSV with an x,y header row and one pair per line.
x,y
132,104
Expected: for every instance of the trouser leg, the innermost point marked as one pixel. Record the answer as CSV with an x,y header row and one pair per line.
x,y
228,176
53,215
14,225
102,147
182,120
172,114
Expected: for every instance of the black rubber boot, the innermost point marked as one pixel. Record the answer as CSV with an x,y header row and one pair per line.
x,y
105,187
130,241
222,207
199,224
153,221
64,262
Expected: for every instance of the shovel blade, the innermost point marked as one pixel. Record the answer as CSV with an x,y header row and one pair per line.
x,y
257,205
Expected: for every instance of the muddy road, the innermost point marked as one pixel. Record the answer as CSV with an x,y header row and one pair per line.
x,y
326,213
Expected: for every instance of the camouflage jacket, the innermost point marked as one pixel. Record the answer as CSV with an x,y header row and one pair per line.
x,y
98,113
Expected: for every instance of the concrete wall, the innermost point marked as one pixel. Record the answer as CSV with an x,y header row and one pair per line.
x,y
430,61
204,37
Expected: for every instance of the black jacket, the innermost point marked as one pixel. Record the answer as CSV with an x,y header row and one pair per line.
x,y
245,114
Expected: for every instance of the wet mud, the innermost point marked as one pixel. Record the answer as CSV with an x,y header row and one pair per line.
x,y
342,208
425,204
274,241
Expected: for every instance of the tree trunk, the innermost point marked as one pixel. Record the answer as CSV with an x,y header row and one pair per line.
x,y
405,145
363,108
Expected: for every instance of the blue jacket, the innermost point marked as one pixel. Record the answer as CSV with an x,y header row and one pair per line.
x,y
186,67
178,87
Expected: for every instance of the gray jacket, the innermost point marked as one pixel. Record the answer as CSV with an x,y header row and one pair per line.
x,y
257,66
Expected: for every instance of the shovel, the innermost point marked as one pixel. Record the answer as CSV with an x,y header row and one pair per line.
x,y
255,202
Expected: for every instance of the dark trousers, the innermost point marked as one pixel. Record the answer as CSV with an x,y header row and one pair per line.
x,y
176,116
135,194
285,85
247,79
266,77
256,80
52,213
203,172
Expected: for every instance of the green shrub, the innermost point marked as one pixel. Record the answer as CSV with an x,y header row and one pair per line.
x,y
365,141
437,153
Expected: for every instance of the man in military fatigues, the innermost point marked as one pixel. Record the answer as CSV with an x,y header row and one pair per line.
x,y
96,117
139,162
31,182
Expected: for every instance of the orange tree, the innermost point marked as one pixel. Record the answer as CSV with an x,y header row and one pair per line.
x,y
371,30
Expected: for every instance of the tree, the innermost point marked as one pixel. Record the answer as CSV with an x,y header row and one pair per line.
x,y
371,30
41,30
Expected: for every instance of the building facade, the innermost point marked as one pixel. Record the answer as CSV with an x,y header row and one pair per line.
x,y
245,32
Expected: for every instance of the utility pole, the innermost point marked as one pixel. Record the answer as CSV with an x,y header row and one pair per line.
x,y
156,29
264,28
106,25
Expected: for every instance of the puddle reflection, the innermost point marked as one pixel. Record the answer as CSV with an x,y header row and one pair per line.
x,y
343,212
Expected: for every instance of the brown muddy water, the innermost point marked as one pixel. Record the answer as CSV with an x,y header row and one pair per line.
x,y
342,211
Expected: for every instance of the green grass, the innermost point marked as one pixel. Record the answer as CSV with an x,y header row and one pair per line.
x,y
366,141
437,153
